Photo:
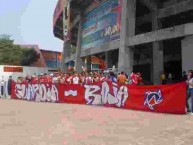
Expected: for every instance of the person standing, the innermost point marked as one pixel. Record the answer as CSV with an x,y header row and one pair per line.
x,y
190,90
112,77
9,85
170,77
184,76
134,79
140,79
122,79
75,79
88,79
163,78
102,77
2,84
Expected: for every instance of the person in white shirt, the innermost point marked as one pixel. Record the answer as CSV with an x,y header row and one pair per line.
x,y
75,79
190,90
2,86
88,79
55,78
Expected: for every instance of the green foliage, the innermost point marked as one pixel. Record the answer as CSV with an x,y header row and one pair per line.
x,y
11,54
29,57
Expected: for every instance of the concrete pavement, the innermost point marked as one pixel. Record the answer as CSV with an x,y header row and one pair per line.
x,y
32,123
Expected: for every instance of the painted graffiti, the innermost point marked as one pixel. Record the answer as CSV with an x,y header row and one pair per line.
x,y
106,94
71,93
37,92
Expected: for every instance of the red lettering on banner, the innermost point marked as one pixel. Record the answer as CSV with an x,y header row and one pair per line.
x,y
37,92
97,96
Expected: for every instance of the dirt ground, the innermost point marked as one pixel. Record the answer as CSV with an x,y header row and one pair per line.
x,y
32,123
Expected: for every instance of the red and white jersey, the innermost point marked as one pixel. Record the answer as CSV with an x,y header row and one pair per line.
x,y
88,80
102,79
69,80
134,79
75,80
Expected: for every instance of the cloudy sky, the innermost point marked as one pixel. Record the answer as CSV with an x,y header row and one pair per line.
x,y
29,22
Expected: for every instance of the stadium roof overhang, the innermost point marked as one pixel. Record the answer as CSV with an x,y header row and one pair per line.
x,y
76,7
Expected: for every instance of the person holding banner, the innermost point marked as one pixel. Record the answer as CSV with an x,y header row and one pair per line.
x,y
190,90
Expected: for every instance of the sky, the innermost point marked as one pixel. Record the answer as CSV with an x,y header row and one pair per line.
x,y
30,22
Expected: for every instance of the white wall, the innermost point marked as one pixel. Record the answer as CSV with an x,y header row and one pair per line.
x,y
26,70
187,53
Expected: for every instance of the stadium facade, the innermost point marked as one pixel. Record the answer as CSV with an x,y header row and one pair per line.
x,y
150,36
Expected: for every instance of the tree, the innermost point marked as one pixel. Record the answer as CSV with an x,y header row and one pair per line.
x,y
11,54
29,57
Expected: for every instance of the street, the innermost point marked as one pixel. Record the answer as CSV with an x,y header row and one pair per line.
x,y
32,123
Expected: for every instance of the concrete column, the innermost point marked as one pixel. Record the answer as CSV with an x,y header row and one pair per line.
x,y
66,48
127,30
187,52
109,58
89,63
78,60
158,60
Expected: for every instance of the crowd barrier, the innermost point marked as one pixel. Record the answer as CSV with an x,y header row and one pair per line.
x,y
163,98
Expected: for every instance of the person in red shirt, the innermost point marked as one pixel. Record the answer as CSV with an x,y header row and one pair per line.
x,y
102,77
88,79
140,79
82,78
41,78
69,79
134,79
49,79
45,78
34,79
24,80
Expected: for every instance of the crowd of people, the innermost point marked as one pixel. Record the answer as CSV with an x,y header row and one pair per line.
x,y
83,78
94,77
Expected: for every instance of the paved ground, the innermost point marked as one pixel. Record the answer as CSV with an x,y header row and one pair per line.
x,y
30,123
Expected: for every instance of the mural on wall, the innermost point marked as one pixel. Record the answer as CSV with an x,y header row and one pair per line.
x,y
102,24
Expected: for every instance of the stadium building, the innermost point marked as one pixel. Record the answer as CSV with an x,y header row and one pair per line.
x,y
149,36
